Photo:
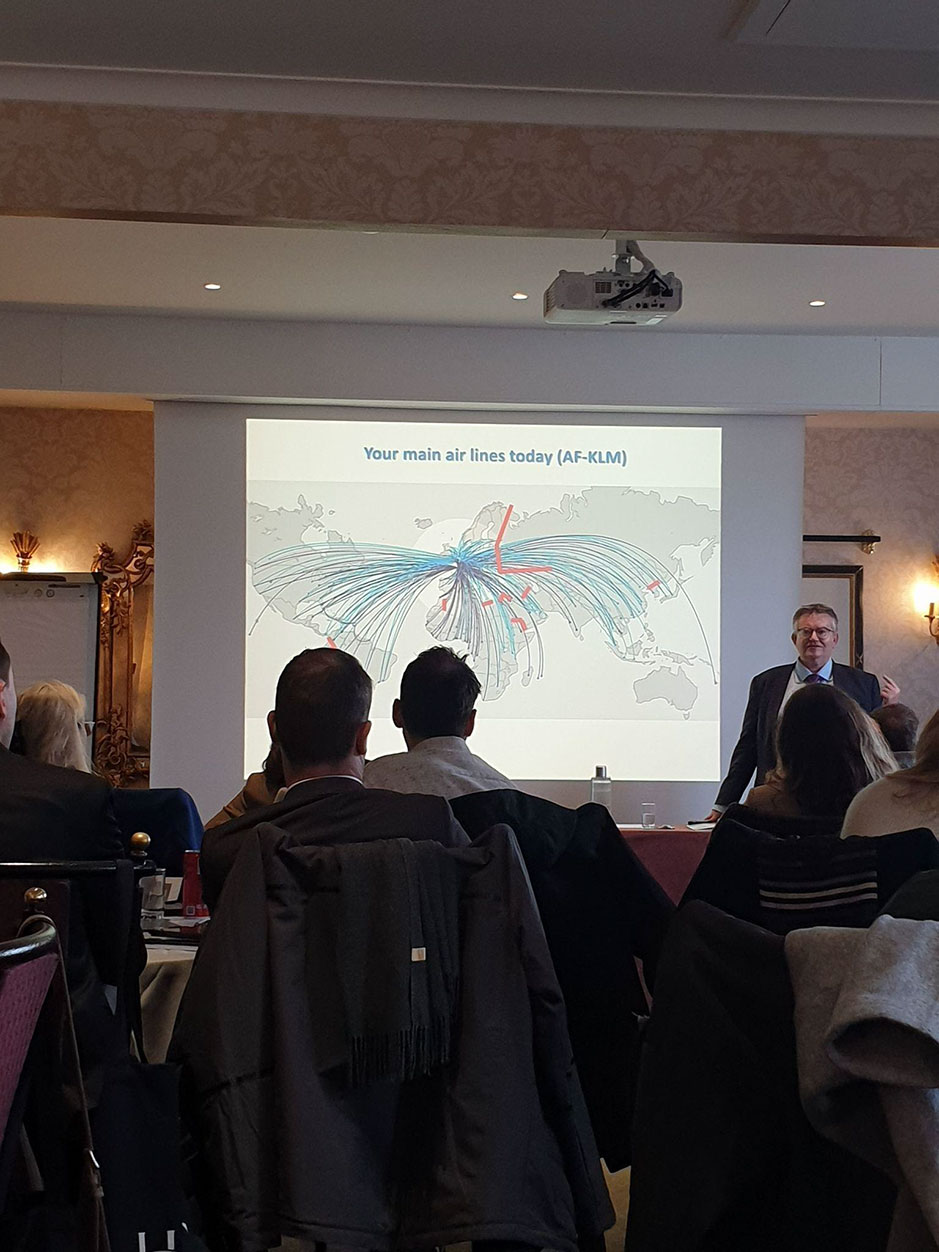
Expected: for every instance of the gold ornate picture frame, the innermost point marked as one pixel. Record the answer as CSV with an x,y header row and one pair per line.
x,y
125,660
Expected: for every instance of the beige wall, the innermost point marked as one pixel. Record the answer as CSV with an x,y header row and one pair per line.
x,y
75,478
888,480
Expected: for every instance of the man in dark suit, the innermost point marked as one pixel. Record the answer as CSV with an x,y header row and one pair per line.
x,y
48,813
320,720
815,636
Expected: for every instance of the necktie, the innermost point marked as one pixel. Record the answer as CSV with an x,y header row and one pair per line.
x,y
813,678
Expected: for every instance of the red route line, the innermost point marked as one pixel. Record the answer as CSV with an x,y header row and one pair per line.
x,y
504,596
331,642
514,569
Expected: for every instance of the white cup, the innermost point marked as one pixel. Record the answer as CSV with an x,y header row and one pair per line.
x,y
153,892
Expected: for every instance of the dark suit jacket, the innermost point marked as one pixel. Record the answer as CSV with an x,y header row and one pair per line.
x,y
53,814
330,811
756,747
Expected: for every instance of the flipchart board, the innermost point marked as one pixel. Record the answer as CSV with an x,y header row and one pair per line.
x,y
49,626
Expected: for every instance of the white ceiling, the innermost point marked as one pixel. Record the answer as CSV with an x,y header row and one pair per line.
x,y
449,279
663,46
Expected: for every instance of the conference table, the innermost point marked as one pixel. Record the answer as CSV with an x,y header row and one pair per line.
x,y
670,855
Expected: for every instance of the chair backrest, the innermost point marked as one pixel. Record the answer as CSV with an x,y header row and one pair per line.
x,y
784,827
168,815
95,907
790,884
26,969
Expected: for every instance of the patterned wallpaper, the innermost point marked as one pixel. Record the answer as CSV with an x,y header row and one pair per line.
x,y
278,168
885,479
74,477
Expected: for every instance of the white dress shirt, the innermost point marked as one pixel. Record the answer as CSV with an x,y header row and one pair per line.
x,y
797,679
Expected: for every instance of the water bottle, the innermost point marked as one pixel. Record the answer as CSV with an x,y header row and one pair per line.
x,y
601,789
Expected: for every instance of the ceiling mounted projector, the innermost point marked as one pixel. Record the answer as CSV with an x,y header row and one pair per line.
x,y
622,296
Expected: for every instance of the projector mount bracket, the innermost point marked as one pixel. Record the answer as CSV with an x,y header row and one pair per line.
x,y
646,279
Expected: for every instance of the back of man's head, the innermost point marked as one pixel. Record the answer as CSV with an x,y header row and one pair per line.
x,y
438,694
4,664
323,698
898,724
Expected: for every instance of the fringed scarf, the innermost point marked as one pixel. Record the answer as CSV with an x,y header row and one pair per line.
x,y
397,955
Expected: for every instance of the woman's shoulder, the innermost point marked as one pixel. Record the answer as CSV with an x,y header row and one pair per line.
x,y
772,797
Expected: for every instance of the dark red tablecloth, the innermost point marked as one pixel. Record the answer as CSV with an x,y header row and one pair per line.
x,y
670,856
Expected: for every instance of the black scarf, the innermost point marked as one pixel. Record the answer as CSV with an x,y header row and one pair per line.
x,y
397,957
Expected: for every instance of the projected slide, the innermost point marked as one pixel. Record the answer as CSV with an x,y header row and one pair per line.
x,y
579,568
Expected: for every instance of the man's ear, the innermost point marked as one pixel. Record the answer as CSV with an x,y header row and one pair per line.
x,y
272,726
361,738
396,714
470,725
3,700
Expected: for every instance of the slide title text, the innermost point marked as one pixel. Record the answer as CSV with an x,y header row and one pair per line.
x,y
474,455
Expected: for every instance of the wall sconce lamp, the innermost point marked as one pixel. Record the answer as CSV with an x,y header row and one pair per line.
x,y
926,600
24,545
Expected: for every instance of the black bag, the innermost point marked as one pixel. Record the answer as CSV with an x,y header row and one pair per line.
x,y
136,1135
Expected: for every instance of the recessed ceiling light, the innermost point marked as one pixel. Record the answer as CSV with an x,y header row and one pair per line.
x,y
519,295
369,232
212,286
816,304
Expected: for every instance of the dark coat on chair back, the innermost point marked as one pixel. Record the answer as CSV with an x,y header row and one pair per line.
x,y
496,1145
329,811
756,747
600,908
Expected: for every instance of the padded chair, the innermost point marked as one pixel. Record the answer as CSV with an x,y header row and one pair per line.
x,y
789,884
26,969
300,1019
168,815
96,909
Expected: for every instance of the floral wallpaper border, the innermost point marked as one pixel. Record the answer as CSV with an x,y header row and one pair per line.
x,y
283,169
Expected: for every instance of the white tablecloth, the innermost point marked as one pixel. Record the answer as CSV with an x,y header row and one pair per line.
x,y
162,984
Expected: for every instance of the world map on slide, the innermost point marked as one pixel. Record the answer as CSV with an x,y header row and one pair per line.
x,y
528,583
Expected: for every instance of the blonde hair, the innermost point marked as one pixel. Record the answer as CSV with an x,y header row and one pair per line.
x,y
48,716
875,750
925,767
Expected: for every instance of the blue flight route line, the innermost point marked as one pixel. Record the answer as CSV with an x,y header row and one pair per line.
x,y
492,597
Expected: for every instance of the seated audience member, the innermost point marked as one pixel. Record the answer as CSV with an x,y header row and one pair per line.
x,y
320,723
50,721
827,749
898,725
259,790
48,813
902,800
437,714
